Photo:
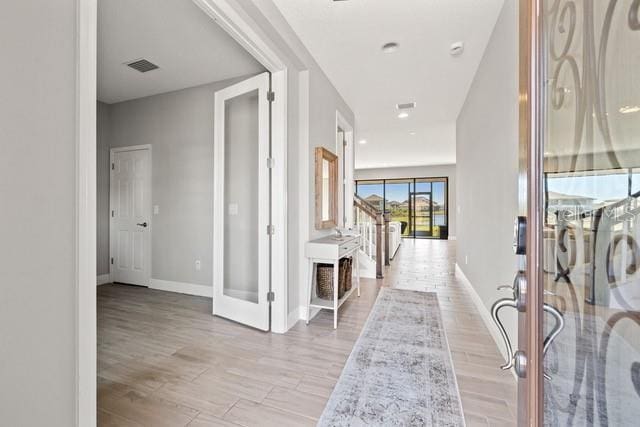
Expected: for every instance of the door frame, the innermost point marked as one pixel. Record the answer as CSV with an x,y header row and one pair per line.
x,y
248,33
345,213
149,149
531,158
244,31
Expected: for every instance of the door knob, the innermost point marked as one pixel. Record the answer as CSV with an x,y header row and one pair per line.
x,y
144,224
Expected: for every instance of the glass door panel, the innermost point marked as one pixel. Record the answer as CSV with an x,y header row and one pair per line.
x,y
422,214
591,226
398,203
241,203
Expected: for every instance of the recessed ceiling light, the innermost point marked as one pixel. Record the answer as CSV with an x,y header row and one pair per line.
x,y
390,47
403,115
412,133
628,109
363,141
456,49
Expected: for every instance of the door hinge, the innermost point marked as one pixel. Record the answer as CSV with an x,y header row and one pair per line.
x,y
271,230
111,260
271,162
113,166
271,96
271,296
113,213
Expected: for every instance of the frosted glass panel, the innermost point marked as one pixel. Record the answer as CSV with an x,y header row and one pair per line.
x,y
592,213
241,202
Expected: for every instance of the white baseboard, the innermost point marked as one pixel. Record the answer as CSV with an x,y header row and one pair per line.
x,y
103,279
452,237
484,312
313,312
182,288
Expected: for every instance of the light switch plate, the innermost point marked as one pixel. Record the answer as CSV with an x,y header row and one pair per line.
x,y
156,209
233,209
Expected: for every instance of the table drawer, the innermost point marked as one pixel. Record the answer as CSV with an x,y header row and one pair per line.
x,y
347,247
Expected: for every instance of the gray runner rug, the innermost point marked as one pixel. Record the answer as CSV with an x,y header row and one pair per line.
x,y
400,371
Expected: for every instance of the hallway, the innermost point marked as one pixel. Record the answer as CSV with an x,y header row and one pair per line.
x,y
488,394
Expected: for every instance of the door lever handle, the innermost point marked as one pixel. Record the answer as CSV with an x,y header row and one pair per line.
x,y
495,310
144,224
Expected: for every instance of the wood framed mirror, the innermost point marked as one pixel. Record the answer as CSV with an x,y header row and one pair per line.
x,y
326,189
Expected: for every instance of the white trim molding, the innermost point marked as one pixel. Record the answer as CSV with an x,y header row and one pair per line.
x,y
103,279
483,310
85,213
452,237
182,288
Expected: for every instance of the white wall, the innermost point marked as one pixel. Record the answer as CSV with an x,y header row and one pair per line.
x,y
37,217
487,167
448,171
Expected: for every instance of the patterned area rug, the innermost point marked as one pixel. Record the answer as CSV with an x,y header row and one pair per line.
x,y
400,371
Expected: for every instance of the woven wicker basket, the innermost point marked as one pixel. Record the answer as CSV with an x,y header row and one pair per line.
x,y
348,266
324,281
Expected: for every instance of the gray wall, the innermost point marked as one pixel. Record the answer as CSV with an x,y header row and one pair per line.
x,y
487,166
102,183
179,127
418,172
324,102
37,230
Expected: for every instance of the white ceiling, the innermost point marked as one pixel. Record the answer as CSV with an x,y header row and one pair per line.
x,y
189,47
346,37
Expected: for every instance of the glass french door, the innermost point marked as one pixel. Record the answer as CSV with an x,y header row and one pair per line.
x,y
241,245
419,205
422,214
579,335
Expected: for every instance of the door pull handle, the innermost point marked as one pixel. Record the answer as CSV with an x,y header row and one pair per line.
x,y
144,224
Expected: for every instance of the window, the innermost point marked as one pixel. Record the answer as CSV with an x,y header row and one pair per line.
x,y
418,204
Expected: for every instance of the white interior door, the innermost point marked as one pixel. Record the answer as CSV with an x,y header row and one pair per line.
x,y
241,203
130,202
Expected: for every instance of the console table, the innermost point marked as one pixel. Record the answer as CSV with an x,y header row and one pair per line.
x,y
330,250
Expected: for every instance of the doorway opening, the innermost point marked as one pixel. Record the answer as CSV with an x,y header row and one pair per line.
x,y
197,98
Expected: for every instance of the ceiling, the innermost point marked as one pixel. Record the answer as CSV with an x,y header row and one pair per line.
x,y
176,35
345,38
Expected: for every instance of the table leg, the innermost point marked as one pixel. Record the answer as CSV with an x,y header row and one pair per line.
x,y
310,289
357,263
336,285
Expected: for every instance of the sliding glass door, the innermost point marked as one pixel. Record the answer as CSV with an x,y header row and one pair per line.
x,y
419,205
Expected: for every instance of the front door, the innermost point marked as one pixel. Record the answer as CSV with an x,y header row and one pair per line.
x,y
579,337
242,182
130,219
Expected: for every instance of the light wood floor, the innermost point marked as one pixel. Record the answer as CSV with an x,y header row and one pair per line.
x,y
163,360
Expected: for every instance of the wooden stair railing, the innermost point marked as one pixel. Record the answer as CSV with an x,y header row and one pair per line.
x,y
381,220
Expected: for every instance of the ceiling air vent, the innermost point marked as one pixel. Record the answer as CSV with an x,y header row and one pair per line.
x,y
407,106
142,65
